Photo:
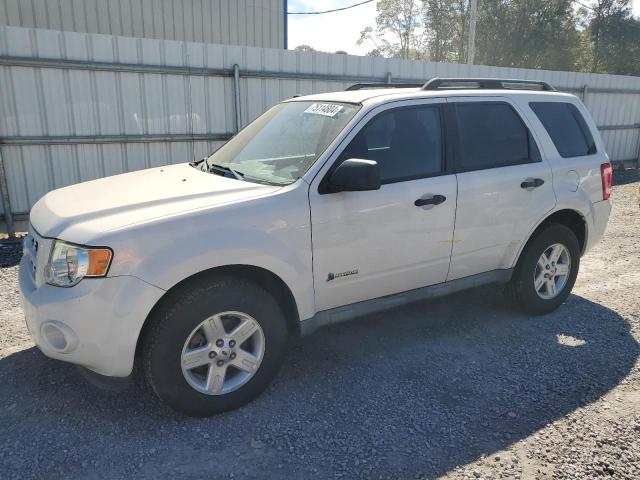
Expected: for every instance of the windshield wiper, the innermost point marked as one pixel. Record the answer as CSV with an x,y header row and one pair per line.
x,y
241,175
217,166
263,181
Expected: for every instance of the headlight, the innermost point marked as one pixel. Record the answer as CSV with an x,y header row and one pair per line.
x,y
68,263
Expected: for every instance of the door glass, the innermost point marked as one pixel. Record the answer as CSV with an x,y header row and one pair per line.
x,y
406,143
491,135
566,127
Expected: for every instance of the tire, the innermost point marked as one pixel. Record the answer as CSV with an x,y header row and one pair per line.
x,y
522,289
165,354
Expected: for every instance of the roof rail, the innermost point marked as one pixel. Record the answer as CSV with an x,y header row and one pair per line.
x,y
486,83
363,86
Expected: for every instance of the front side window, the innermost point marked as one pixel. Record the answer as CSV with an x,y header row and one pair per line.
x,y
281,145
566,127
491,135
405,142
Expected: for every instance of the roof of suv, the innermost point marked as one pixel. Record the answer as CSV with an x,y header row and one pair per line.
x,y
382,95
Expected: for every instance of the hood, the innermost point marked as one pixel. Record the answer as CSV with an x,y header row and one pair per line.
x,y
80,212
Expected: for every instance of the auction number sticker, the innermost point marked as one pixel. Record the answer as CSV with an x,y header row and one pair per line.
x,y
326,109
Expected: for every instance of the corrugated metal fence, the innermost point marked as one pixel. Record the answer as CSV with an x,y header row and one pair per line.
x,y
76,106
259,23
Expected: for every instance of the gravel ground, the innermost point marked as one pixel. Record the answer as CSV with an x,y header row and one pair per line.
x,y
461,387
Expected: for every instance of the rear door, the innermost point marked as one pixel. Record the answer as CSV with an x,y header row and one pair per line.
x,y
504,184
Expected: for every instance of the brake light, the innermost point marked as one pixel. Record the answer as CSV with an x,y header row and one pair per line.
x,y
606,172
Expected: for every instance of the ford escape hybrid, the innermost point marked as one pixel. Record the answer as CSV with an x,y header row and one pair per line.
x,y
325,208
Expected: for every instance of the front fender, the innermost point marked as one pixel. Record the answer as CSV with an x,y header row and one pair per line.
x,y
271,233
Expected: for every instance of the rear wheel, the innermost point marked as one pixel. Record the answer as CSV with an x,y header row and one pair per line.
x,y
216,347
546,271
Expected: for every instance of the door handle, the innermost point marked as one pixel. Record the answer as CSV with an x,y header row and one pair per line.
x,y
435,200
532,183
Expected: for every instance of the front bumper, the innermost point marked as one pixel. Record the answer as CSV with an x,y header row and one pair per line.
x,y
94,324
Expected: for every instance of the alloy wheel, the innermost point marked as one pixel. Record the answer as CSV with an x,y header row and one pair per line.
x,y
552,271
223,353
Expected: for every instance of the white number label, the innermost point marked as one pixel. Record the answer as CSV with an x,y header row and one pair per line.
x,y
326,109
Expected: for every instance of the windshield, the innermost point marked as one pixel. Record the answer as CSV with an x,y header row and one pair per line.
x,y
280,145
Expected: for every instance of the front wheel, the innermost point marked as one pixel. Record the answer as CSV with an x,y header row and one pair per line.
x,y
216,347
546,271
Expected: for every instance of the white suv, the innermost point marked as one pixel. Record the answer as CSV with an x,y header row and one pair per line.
x,y
325,208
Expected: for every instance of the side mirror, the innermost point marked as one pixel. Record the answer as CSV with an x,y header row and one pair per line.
x,y
355,175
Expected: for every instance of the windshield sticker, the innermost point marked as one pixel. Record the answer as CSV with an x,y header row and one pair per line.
x,y
326,109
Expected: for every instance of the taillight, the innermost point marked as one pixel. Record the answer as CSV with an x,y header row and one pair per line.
x,y
606,172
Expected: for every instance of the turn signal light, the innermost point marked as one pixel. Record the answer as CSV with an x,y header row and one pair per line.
x,y
99,260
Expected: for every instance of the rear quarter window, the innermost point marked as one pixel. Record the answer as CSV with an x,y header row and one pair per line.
x,y
567,128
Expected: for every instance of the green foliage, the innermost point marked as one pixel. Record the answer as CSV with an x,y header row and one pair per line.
x,y
304,48
397,33
441,19
548,34
521,33
612,38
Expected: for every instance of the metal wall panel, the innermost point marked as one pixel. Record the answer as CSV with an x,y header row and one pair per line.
x,y
258,23
153,93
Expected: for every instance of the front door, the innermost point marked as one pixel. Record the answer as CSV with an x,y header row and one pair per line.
x,y
376,243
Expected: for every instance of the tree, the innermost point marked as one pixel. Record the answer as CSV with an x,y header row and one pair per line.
x,y
548,34
544,34
525,34
462,29
439,17
612,38
397,32
434,29
341,52
304,48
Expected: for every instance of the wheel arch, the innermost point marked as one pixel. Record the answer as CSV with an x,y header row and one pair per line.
x,y
268,280
567,217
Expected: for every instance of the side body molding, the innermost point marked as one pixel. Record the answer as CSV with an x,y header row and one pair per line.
x,y
349,312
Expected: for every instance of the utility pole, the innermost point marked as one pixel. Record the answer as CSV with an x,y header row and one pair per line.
x,y
473,16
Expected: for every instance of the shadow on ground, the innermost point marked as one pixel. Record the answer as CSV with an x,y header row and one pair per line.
x,y
624,177
10,253
409,393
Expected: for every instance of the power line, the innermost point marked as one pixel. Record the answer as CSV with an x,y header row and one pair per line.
x,y
329,11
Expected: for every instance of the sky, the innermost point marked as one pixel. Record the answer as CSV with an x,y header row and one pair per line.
x,y
340,30
331,31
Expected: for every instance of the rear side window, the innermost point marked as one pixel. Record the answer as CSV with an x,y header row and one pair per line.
x,y
566,127
491,135
406,143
